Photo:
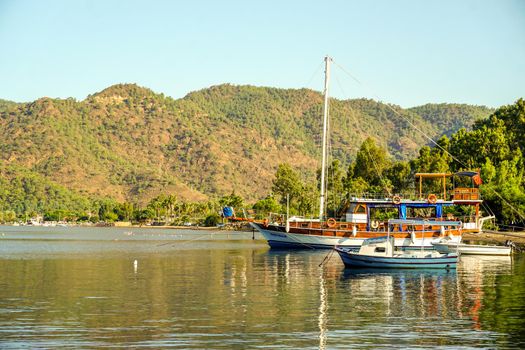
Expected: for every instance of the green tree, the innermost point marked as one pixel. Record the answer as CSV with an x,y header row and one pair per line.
x,y
158,205
335,189
286,182
232,200
307,201
170,203
489,140
505,193
124,211
435,159
355,186
144,215
106,211
212,220
370,163
399,175
267,205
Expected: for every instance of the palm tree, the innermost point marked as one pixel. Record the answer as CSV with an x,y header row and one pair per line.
x,y
157,204
170,203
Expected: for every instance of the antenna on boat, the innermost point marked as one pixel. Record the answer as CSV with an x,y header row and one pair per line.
x,y
327,61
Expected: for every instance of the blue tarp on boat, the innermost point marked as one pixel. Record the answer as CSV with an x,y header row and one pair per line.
x,y
228,212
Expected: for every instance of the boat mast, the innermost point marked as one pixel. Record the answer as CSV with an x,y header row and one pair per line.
x,y
327,61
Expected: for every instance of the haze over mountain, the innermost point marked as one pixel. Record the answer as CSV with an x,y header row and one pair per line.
x,y
129,143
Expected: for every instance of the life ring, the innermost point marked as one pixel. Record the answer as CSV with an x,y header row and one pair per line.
x,y
374,224
331,222
432,198
396,199
265,222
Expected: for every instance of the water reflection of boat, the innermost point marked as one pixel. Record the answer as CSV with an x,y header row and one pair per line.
x,y
477,275
407,274
417,292
480,263
323,308
380,252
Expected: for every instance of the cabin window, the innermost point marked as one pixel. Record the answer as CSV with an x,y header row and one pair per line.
x,y
304,224
343,226
380,249
360,209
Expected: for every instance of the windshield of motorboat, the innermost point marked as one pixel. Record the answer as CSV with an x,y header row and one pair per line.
x,y
375,240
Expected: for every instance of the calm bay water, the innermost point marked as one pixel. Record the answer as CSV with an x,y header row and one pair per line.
x,y
80,288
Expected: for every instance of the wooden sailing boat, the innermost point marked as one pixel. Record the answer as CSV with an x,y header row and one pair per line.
x,y
356,224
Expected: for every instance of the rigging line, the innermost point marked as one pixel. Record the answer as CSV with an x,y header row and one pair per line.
x,y
508,203
487,208
426,136
403,117
291,235
376,167
316,72
331,174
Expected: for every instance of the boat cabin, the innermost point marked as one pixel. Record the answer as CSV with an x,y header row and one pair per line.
x,y
372,214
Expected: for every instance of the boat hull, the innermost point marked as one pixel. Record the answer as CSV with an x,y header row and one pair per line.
x,y
278,238
351,259
472,249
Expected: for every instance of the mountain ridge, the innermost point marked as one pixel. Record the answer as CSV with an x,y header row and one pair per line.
x,y
130,143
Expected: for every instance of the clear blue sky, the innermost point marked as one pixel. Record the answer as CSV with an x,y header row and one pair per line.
x,y
404,52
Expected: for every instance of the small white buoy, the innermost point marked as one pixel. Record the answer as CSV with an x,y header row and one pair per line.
x,y
135,265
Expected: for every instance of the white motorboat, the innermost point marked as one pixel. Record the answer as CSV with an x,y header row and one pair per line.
x,y
445,246
381,253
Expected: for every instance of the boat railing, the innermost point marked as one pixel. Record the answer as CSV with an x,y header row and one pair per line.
x,y
281,218
466,193
425,223
458,194
420,222
463,218
382,196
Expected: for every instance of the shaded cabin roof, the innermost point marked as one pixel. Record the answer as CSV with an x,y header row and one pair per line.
x,y
433,175
355,200
467,173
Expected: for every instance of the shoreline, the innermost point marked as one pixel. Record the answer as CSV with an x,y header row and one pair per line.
x,y
130,226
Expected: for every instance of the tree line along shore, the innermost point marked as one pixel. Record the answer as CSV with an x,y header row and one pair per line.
x,y
494,146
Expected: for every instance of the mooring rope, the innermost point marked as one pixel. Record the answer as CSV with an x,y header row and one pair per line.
x,y
184,242
327,257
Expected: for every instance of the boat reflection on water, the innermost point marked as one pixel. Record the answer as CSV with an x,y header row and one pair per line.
x,y
406,273
413,293
302,288
479,274
478,264
335,304
323,308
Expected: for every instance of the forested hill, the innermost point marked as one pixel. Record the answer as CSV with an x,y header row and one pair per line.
x,y
129,143
450,117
